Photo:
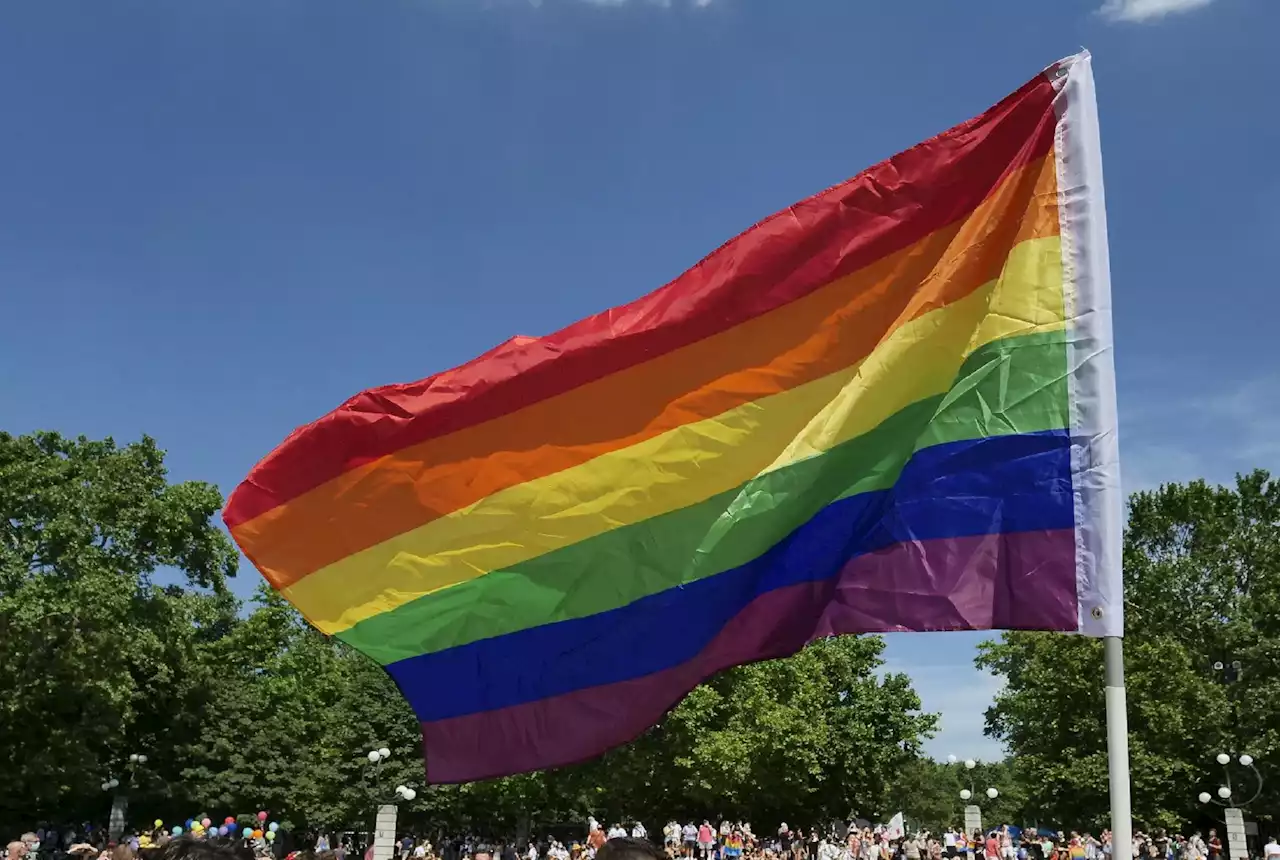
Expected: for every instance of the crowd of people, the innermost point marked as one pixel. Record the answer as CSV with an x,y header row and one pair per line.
x,y
630,841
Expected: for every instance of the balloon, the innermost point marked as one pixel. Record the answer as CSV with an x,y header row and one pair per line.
x,y
222,831
204,822
177,831
271,835
273,827
262,816
189,823
159,824
228,820
257,834
232,826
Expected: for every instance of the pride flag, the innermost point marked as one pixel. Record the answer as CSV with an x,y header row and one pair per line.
x,y
889,407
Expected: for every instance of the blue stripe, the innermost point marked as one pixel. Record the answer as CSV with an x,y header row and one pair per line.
x,y
1002,484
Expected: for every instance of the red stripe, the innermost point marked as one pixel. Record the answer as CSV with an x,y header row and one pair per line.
x,y
1019,581
781,259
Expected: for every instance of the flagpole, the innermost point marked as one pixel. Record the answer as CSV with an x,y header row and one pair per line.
x,y
1117,749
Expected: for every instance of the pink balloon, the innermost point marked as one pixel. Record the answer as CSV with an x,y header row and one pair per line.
x,y
262,816
206,822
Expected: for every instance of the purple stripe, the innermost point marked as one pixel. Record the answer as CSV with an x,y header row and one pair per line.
x,y
1024,580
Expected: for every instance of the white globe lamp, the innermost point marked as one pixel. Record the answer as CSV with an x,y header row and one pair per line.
x,y
1205,797
1223,758
1224,792
1246,760
965,794
992,793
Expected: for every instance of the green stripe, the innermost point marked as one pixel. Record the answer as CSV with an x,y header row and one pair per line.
x,y
1016,385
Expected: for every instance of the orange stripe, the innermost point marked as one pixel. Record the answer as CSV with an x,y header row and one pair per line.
x,y
828,330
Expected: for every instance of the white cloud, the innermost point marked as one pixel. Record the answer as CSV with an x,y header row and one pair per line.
x,y
1170,435
1138,11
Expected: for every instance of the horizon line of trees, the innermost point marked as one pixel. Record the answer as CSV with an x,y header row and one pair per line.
x,y
238,711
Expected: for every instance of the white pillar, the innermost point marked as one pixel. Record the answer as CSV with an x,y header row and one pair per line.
x,y
1117,747
384,832
115,823
972,819
1237,839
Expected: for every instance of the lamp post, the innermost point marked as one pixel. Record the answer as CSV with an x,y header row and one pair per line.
x,y
972,812
1227,797
120,799
384,828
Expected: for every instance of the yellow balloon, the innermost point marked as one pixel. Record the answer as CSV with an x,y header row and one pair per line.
x,y
159,823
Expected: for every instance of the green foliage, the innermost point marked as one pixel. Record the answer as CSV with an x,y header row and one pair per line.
x,y
239,712
89,643
1202,582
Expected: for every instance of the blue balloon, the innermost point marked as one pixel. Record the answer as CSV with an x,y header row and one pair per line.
x,y
190,821
222,830
273,827
232,827
177,830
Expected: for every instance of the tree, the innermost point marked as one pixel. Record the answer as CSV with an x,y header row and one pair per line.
x,y
92,649
118,635
290,720
810,738
1202,582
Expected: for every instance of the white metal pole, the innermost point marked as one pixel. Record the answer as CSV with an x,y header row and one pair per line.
x,y
1118,749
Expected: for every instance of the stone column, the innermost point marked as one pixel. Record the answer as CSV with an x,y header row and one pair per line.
x,y
1237,842
972,819
115,823
384,832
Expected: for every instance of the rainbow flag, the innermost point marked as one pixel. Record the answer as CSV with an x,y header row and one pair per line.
x,y
888,407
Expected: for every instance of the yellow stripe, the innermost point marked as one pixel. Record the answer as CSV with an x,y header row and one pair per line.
x,y
690,463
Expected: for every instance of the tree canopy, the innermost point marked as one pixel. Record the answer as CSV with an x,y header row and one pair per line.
x,y
1202,589
119,635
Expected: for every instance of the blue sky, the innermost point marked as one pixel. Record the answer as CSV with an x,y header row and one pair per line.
x,y
219,219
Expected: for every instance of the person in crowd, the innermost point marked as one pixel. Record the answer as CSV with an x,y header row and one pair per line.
x,y
689,836
627,848
1271,851
706,840
671,837
638,831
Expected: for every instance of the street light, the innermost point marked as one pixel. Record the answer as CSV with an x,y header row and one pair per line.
x,y
966,794
1227,790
